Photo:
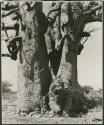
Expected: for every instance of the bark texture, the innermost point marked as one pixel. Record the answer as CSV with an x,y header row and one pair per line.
x,y
67,72
33,73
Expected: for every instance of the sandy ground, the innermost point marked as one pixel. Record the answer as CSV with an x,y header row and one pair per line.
x,y
9,116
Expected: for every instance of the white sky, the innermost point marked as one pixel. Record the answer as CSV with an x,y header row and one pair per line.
x,y
89,62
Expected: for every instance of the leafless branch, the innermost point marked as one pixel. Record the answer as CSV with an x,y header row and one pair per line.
x,y
95,18
33,4
4,13
56,8
92,16
17,38
93,9
12,27
6,55
9,6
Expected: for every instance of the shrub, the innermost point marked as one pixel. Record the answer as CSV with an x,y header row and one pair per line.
x,y
5,86
79,103
87,89
93,97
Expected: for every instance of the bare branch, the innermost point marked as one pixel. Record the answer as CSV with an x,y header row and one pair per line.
x,y
95,18
6,55
9,6
55,8
85,34
33,4
12,27
92,16
93,9
17,38
4,14
6,33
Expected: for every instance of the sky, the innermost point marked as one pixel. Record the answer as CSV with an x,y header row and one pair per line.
x,y
89,62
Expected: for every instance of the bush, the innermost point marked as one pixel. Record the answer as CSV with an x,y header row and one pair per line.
x,y
94,98
79,103
5,86
87,89
100,91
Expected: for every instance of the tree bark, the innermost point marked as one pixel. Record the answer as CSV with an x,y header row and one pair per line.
x,y
68,66
33,73
67,70
68,74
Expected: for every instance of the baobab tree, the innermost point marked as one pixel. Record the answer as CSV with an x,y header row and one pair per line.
x,y
47,50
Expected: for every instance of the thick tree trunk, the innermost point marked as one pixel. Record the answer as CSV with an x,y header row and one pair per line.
x,y
33,73
68,66
68,74
67,69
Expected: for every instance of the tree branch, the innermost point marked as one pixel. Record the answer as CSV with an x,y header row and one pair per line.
x,y
12,27
93,9
4,14
91,15
9,6
33,4
17,38
94,19
6,55
54,9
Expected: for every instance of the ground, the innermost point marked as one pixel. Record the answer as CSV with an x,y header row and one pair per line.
x,y
9,116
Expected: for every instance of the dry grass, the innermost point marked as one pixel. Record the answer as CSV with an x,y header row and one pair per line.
x,y
94,116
